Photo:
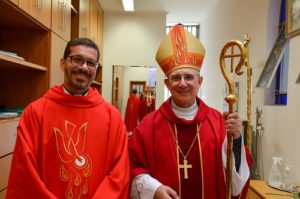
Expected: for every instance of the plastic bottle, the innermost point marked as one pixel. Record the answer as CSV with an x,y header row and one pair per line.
x,y
274,175
287,178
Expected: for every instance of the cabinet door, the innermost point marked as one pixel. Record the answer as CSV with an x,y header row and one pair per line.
x,y
61,18
57,50
15,2
28,6
100,25
5,163
38,9
8,132
44,12
93,21
84,21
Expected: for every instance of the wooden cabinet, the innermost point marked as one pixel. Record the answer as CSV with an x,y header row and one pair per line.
x,y
7,142
15,2
94,6
40,10
96,32
87,21
100,16
260,190
61,18
24,77
24,71
84,20
57,50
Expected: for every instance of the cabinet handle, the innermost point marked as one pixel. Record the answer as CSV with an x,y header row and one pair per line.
x,y
60,14
84,32
40,5
62,7
64,16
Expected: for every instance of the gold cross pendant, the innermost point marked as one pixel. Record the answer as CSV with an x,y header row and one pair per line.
x,y
185,166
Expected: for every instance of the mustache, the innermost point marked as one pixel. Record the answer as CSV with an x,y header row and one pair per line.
x,y
81,72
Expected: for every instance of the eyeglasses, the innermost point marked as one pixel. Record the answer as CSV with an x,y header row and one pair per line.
x,y
78,60
178,78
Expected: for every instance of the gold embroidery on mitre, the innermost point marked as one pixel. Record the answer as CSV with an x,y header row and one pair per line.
x,y
75,163
180,49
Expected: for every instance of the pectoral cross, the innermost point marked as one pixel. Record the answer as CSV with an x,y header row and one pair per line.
x,y
185,166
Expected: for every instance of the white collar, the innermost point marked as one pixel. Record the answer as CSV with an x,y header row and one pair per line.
x,y
186,113
67,92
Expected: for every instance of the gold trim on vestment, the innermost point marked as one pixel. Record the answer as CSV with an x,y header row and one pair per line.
x,y
178,151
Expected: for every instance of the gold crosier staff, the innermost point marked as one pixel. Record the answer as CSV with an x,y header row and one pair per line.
x,y
231,98
249,74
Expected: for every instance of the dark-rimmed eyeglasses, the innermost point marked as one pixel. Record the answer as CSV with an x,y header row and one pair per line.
x,y
77,60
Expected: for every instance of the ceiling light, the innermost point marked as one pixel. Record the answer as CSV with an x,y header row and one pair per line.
x,y
128,5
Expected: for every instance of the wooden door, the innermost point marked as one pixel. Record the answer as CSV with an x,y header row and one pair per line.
x,y
84,19
61,18
57,51
38,9
138,85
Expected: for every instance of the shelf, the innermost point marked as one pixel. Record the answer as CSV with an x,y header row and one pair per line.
x,y
97,83
73,10
15,62
2,121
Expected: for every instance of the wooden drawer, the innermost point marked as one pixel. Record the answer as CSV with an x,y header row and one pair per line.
x,y
252,194
2,194
5,163
260,190
8,133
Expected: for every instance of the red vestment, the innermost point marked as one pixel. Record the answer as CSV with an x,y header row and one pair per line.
x,y
132,112
70,147
153,150
147,106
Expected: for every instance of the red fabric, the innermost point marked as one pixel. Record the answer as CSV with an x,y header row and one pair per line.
x,y
70,147
132,112
146,107
152,150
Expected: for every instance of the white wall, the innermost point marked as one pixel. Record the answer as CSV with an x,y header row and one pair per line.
x,y
131,39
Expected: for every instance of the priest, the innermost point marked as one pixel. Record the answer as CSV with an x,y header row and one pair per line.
x,y
71,143
147,103
179,150
132,111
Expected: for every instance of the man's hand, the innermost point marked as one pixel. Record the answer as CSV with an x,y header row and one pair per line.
x,y
233,123
165,192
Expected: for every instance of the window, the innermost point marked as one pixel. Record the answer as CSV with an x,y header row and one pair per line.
x,y
282,71
191,27
277,65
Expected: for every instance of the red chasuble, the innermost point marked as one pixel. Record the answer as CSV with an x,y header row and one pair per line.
x,y
147,106
70,147
132,112
153,150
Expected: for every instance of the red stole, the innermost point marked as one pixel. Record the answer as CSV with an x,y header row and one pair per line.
x,y
147,106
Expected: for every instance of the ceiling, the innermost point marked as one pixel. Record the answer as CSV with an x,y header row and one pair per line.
x,y
179,11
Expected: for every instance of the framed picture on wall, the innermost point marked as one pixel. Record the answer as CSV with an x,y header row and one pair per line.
x,y
298,79
292,27
273,61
